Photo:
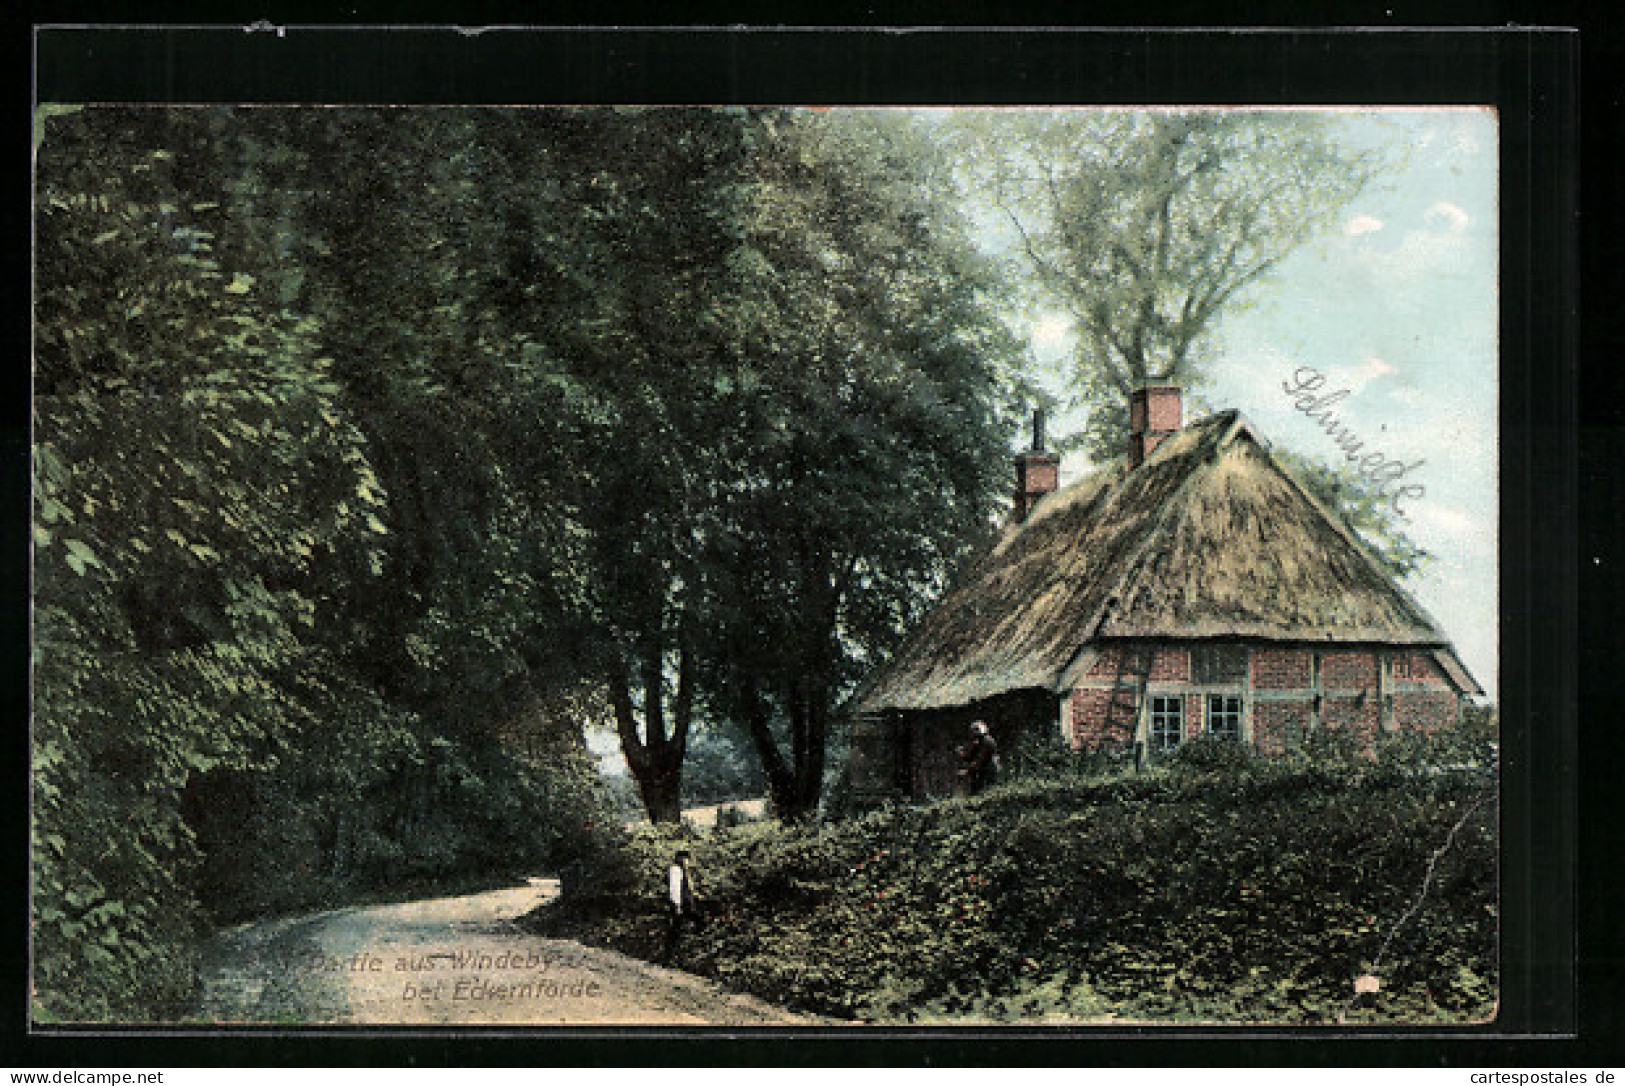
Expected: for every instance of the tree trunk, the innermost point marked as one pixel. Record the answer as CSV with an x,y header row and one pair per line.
x,y
797,784
654,757
803,690
781,786
662,796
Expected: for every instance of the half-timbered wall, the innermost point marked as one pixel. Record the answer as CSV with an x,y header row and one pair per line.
x,y
1277,694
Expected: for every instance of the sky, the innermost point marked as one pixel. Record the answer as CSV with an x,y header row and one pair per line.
x,y
1398,306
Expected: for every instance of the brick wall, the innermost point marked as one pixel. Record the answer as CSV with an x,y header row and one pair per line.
x,y
1111,662
1195,720
1418,667
1349,680
1102,717
1352,714
1278,726
1425,711
1348,669
1280,669
1171,665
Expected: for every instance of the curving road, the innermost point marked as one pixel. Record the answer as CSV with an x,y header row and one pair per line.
x,y
450,961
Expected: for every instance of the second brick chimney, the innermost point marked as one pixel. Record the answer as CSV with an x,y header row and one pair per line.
x,y
1037,472
1154,413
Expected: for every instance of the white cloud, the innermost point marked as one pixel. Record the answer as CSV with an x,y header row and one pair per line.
x,y
1355,378
1362,224
1405,265
1446,218
1421,257
1447,521
1374,367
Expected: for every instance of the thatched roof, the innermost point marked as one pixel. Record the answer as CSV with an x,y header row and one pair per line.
x,y
1209,538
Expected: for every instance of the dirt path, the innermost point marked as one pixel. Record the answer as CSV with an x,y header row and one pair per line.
x,y
455,960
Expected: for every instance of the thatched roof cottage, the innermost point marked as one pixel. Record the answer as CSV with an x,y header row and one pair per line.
x,y
1193,588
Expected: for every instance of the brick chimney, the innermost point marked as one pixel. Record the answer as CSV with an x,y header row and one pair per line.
x,y
1154,413
1037,471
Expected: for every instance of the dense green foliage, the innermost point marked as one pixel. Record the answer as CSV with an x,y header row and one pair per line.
x,y
179,493
245,699
874,451
1208,892
720,767
377,451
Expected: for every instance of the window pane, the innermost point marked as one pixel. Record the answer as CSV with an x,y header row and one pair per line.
x,y
1167,722
1224,716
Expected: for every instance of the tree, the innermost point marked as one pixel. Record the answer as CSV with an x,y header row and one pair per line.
x,y
452,256
376,450
416,238
1148,225
872,368
302,559
190,459
648,355
796,368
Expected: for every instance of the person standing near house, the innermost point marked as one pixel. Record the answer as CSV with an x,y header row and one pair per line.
x,y
979,759
681,906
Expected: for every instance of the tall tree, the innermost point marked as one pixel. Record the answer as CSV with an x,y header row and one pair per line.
x,y
649,353
798,366
872,363
304,560
1148,225
433,244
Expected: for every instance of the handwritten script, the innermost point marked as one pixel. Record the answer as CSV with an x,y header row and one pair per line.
x,y
1377,468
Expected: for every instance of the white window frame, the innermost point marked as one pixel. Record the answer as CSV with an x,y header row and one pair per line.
x,y
1235,716
1156,715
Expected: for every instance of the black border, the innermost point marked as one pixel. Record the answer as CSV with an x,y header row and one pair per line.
x,y
1530,76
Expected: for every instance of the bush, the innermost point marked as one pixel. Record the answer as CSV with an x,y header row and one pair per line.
x,y
1207,753
1251,894
1469,748
1041,754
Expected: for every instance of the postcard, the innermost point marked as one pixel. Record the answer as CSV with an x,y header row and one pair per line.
x,y
765,566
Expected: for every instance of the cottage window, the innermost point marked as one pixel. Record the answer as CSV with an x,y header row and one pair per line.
x,y
1219,664
1167,723
1224,716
